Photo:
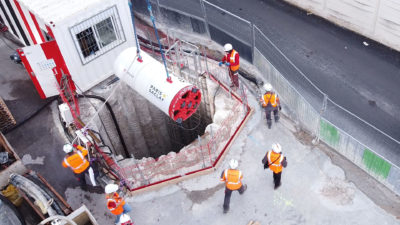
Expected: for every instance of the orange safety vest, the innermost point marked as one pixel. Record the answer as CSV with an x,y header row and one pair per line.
x,y
77,162
231,60
233,179
270,97
112,204
275,162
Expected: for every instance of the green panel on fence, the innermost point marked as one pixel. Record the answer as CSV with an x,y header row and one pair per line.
x,y
375,163
329,133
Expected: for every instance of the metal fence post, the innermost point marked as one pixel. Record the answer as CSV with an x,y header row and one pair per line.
x,y
201,150
203,8
253,44
323,109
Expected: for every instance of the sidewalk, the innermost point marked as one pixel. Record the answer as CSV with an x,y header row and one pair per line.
x,y
313,191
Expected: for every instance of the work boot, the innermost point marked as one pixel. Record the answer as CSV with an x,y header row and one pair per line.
x,y
244,189
269,123
277,186
226,209
276,118
97,189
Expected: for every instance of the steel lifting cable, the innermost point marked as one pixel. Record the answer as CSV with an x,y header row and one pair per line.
x,y
158,40
104,103
134,30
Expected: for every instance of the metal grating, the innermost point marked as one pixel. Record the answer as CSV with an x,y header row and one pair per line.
x,y
7,121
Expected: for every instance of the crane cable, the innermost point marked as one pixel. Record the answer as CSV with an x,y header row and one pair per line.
x,y
134,30
158,40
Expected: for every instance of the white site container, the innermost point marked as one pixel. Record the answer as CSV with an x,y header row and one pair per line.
x,y
73,37
176,98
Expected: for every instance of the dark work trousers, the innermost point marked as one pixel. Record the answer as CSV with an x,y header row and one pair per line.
x,y
234,75
277,179
81,177
228,194
268,111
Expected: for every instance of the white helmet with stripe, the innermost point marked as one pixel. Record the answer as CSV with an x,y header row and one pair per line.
x,y
68,148
233,164
228,47
267,87
276,148
111,188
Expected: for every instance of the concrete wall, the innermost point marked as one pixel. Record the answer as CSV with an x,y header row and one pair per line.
x,y
375,19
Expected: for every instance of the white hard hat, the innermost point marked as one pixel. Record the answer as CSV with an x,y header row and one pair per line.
x,y
233,164
227,47
267,87
276,148
110,188
68,148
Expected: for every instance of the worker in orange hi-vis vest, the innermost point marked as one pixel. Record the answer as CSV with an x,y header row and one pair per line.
x,y
233,182
231,59
275,161
76,160
115,203
270,102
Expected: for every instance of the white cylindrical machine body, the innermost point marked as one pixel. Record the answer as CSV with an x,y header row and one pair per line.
x,y
177,98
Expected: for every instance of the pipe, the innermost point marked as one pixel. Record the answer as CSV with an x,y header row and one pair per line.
x,y
32,190
114,118
174,96
50,195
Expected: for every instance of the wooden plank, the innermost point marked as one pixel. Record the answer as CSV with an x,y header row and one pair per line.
x,y
33,206
66,205
7,146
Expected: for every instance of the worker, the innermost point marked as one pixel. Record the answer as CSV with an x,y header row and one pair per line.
x,y
77,162
115,203
231,59
270,102
233,182
275,161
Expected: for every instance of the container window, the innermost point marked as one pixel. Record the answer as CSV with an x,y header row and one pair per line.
x,y
98,34
87,42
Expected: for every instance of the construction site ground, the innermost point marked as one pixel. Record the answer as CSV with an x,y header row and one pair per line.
x,y
318,187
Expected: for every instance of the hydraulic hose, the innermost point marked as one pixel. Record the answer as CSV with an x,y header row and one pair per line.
x,y
114,118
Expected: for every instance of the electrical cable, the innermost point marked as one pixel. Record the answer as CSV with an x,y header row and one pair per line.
x,y
102,140
114,118
101,120
31,115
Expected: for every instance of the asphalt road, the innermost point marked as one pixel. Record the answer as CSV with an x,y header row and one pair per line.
x,y
37,142
362,79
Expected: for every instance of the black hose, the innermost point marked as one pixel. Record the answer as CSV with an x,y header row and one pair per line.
x,y
50,195
121,138
32,115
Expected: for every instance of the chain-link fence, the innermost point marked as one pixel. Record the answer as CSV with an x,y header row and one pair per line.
x,y
359,141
